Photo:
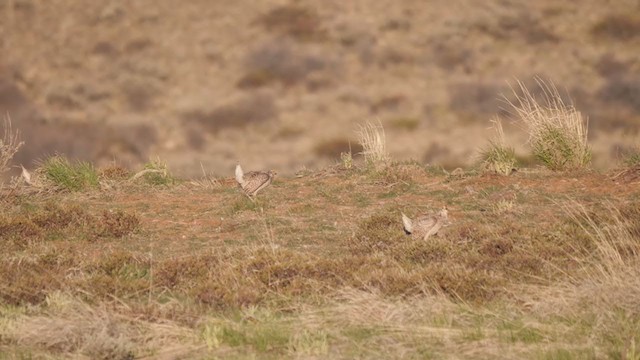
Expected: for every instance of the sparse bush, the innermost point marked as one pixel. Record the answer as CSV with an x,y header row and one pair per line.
x,y
65,175
617,27
524,25
117,223
557,132
373,140
497,156
622,90
114,172
139,93
450,56
388,103
299,22
281,62
609,66
253,109
473,101
9,144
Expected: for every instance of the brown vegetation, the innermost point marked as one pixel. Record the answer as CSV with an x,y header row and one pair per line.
x,y
170,258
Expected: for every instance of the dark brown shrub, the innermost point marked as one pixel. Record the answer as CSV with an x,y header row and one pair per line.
x,y
622,91
252,109
474,101
298,22
26,282
117,223
523,25
609,66
114,172
388,103
281,62
617,27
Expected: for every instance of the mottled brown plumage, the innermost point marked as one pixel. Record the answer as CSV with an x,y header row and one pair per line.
x,y
426,225
253,181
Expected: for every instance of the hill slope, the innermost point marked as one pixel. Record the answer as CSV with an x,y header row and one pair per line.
x,y
537,264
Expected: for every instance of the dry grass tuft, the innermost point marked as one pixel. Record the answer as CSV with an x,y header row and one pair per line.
x,y
69,327
557,132
207,181
373,140
498,157
602,301
9,144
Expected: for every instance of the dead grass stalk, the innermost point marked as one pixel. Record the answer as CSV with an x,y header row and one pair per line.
x,y
9,144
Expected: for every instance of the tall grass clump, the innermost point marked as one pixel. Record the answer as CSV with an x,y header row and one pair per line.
x,y
557,131
373,140
603,300
9,144
498,157
70,176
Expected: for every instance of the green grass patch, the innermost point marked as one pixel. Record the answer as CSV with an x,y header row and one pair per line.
x,y
70,176
498,158
516,331
558,150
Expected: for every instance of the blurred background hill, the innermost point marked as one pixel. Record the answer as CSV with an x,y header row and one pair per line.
x,y
283,84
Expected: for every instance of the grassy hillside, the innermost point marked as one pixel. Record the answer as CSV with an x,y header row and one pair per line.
x,y
538,264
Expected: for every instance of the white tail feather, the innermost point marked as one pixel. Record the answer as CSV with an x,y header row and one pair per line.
x,y
26,175
239,175
408,224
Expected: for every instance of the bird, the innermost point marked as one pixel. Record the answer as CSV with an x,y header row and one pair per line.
x,y
253,181
26,175
425,225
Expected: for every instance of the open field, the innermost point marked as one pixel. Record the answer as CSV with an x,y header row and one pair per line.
x,y
124,236
538,265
